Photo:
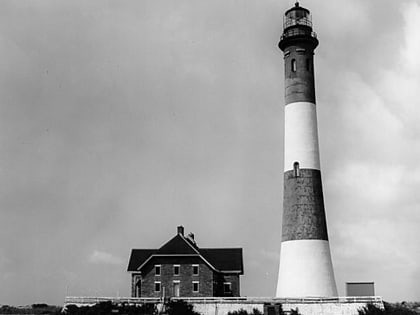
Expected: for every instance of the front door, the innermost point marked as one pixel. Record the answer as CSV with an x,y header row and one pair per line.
x,y
138,288
176,289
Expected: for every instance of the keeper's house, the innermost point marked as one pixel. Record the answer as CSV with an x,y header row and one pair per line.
x,y
181,268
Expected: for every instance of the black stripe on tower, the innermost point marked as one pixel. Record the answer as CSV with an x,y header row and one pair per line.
x,y
299,74
303,206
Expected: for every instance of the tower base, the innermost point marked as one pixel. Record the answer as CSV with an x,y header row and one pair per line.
x,y
306,270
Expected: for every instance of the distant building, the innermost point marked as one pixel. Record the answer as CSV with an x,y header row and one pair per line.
x,y
181,268
360,288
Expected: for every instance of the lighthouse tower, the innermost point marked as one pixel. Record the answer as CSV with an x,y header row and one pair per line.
x,y
305,261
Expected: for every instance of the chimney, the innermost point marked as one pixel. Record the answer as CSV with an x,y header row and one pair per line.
x,y
180,230
191,239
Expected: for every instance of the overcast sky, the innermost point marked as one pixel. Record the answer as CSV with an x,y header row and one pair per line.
x,y
120,120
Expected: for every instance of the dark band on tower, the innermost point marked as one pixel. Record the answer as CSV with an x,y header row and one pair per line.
x,y
303,207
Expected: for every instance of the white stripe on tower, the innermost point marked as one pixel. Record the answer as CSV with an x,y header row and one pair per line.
x,y
301,136
306,269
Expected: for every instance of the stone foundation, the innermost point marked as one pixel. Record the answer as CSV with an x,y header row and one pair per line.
x,y
309,307
222,306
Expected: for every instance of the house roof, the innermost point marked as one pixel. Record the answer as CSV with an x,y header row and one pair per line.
x,y
224,258
219,259
177,245
138,256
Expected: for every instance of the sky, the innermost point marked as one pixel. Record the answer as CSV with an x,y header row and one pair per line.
x,y
120,120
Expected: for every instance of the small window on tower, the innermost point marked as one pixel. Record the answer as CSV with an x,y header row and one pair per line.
x,y
294,65
296,169
308,64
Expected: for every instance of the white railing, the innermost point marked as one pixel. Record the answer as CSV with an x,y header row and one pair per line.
x,y
89,300
303,300
116,300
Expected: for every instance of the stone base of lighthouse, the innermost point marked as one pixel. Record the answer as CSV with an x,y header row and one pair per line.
x,y
306,270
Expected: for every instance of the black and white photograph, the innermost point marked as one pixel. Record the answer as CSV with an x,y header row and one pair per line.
x,y
209,157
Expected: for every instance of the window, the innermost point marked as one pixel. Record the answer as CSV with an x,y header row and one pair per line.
x,y
157,286
176,270
293,65
296,169
195,286
308,64
195,270
227,287
157,270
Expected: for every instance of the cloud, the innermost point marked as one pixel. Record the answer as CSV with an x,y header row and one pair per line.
x,y
369,182
400,82
372,177
411,13
99,257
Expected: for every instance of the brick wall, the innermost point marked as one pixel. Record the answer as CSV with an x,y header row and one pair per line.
x,y
205,277
233,279
135,278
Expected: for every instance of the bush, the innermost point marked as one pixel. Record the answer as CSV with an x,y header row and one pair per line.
x,y
396,309
107,308
180,307
255,311
40,305
371,309
36,309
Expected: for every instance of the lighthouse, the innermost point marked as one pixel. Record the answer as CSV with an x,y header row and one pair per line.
x,y
305,260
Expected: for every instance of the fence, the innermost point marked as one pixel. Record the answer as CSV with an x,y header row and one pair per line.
x,y
89,300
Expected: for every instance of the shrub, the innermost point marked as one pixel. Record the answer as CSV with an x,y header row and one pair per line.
x,y
107,308
390,309
180,307
255,311
36,309
40,305
371,309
